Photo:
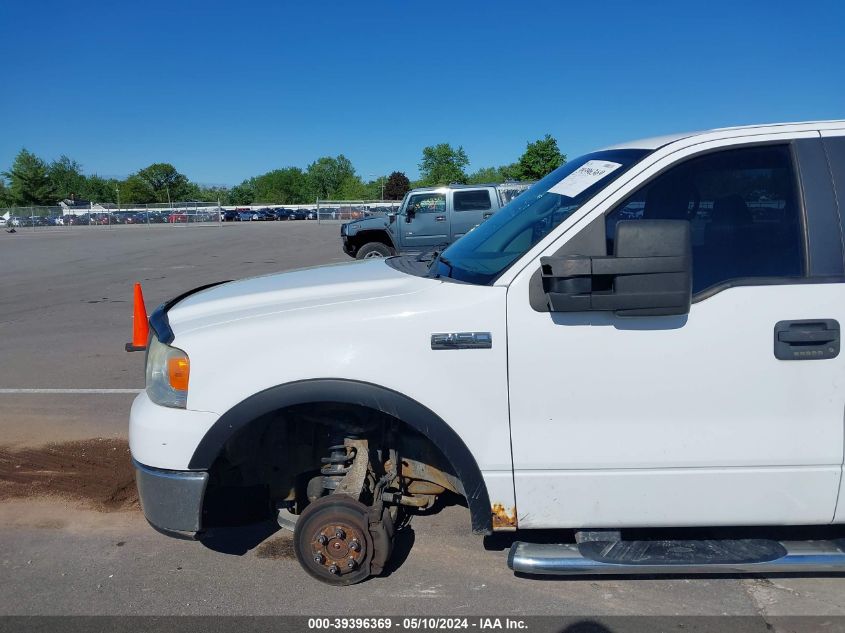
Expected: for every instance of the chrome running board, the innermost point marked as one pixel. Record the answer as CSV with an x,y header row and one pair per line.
x,y
568,559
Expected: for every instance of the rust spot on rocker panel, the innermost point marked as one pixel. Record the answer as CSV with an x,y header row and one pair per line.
x,y
504,519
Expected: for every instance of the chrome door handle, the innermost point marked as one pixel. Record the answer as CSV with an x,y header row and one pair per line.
x,y
440,218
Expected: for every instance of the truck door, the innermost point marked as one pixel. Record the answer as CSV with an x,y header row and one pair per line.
x,y
730,415
425,223
470,207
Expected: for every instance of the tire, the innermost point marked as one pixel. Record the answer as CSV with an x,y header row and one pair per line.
x,y
372,250
323,518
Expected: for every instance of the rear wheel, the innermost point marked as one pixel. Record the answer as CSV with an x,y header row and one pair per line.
x,y
373,249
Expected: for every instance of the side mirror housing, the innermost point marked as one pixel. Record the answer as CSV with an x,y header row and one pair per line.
x,y
649,274
409,214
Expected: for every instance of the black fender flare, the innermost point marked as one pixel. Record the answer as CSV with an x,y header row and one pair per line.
x,y
393,403
362,237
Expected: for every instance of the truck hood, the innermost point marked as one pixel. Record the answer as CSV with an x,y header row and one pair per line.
x,y
296,290
365,224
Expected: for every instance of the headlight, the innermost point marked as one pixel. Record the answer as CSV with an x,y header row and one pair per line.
x,y
168,370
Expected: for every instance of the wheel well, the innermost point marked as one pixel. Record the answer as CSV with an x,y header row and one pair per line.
x,y
268,446
365,237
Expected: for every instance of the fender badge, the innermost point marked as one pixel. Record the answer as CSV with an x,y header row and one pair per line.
x,y
462,340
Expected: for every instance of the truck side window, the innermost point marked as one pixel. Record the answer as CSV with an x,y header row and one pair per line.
x,y
743,211
428,203
478,200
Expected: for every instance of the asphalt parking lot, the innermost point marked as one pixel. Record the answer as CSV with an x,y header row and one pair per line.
x,y
72,539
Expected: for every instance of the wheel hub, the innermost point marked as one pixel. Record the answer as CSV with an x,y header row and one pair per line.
x,y
338,548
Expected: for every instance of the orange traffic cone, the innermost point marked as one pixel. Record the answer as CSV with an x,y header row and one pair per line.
x,y
140,324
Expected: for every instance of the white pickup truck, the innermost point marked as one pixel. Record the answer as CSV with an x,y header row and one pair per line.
x,y
648,338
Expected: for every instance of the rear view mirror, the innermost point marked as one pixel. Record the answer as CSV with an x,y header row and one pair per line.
x,y
649,274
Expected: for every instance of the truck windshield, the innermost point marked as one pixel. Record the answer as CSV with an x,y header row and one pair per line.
x,y
485,252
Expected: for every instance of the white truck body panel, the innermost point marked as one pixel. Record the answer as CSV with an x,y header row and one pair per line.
x,y
630,413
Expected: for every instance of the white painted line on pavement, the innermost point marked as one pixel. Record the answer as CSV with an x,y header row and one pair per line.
x,y
66,391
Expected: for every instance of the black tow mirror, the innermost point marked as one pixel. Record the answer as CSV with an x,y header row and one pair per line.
x,y
649,274
409,214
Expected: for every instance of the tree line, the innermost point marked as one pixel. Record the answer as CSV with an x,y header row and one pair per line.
x,y
32,181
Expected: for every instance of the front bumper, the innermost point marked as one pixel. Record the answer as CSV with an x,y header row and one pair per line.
x,y
166,438
171,499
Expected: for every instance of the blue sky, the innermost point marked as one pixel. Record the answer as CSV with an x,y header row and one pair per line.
x,y
227,90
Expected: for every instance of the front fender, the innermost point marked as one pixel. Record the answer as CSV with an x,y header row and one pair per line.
x,y
364,394
365,237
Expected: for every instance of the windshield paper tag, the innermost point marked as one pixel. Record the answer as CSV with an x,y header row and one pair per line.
x,y
587,174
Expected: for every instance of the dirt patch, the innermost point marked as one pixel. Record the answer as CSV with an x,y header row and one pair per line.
x,y
97,471
279,547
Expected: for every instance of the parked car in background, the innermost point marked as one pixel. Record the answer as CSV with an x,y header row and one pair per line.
x,y
247,215
298,214
177,218
429,218
230,215
330,213
265,215
101,219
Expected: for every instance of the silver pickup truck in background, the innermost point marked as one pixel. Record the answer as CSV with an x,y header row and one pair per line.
x,y
429,218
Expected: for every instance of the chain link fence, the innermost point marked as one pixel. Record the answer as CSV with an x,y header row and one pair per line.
x,y
184,214
110,215
345,210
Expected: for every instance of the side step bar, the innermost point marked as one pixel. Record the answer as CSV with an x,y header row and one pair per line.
x,y
678,557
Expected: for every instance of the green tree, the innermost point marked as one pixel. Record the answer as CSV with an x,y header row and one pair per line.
x,y
29,181
282,186
327,175
540,157
243,193
442,164
212,193
352,188
67,178
98,189
5,196
136,190
492,174
372,189
164,181
397,186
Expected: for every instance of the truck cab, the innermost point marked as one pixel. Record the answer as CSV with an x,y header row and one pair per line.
x,y
429,218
